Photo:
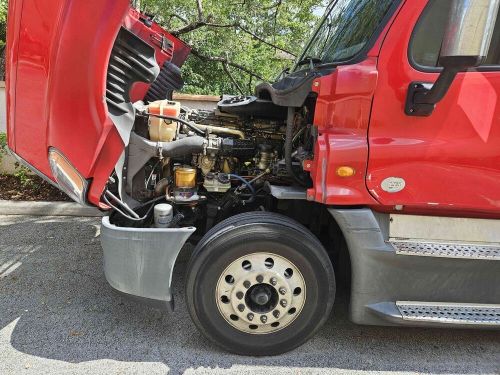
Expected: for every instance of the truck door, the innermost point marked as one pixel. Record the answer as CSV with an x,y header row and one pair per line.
x,y
449,161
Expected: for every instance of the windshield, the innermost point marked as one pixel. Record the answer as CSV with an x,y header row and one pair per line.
x,y
345,30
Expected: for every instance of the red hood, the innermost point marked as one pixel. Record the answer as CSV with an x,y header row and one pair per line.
x,y
58,54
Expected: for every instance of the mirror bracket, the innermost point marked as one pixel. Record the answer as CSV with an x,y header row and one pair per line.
x,y
422,97
465,45
420,109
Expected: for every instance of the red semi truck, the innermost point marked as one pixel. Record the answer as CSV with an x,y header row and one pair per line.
x,y
374,160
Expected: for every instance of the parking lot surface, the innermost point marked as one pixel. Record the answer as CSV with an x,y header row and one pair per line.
x,y
58,315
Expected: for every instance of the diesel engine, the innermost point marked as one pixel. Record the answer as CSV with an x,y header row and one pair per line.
x,y
206,164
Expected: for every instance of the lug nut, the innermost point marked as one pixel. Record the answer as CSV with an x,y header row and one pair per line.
x,y
241,307
260,279
283,303
282,290
247,284
276,314
239,295
250,316
263,319
274,281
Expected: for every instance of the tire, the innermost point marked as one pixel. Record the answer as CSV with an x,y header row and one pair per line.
x,y
297,301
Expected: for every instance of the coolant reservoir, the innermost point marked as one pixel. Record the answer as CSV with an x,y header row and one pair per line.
x,y
163,130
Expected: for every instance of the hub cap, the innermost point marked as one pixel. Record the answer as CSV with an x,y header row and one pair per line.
x,y
260,293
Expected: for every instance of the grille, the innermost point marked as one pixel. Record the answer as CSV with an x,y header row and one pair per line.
x,y
132,60
168,80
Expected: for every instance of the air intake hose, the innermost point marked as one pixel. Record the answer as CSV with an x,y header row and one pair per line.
x,y
141,150
183,147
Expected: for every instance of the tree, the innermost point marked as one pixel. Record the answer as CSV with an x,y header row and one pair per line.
x,y
236,42
3,22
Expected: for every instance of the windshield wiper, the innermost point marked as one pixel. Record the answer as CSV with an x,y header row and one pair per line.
x,y
310,60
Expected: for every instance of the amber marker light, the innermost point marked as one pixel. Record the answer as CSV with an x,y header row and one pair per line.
x,y
345,171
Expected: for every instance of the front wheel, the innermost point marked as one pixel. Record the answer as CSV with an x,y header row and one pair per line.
x,y
259,284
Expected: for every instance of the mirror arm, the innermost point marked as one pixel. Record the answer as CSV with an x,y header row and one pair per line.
x,y
439,89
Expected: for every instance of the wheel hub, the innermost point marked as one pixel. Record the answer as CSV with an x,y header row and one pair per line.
x,y
261,298
260,293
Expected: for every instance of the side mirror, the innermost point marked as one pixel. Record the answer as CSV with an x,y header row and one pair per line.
x,y
466,44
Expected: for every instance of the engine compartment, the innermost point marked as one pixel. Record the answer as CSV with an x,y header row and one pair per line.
x,y
208,165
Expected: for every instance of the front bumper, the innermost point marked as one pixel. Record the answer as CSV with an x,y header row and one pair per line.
x,y
139,262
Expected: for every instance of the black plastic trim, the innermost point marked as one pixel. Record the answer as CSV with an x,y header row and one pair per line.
x,y
166,83
131,60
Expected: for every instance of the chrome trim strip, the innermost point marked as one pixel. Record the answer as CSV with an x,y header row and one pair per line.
x,y
447,250
444,229
450,313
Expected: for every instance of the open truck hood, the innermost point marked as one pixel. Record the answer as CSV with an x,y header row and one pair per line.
x,y
69,81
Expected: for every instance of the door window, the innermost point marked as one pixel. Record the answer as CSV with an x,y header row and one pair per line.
x,y
429,34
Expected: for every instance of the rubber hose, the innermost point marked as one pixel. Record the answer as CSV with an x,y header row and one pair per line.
x,y
177,119
245,182
289,146
183,147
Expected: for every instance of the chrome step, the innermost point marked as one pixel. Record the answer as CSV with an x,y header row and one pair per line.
x,y
450,313
446,250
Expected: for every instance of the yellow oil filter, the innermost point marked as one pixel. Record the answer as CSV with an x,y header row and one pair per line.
x,y
185,178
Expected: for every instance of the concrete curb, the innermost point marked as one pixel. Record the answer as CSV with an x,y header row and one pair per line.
x,y
47,209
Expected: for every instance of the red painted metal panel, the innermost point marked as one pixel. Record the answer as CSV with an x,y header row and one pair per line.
x,y
63,53
11,58
342,117
57,64
450,160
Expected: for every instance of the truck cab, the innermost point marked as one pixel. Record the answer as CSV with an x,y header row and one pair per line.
x,y
373,162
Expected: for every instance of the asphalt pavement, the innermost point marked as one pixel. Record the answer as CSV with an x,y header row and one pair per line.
x,y
58,315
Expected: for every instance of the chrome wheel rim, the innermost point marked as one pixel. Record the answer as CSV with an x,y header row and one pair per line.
x,y
260,293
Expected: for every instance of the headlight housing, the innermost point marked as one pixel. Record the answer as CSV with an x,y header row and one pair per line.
x,y
67,177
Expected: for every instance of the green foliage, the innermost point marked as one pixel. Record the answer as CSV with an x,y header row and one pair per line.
x,y
286,24
3,23
3,145
226,33
24,175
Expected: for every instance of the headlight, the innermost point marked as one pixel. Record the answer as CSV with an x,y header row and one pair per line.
x,y
67,177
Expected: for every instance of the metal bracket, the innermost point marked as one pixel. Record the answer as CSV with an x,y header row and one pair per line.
x,y
417,109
